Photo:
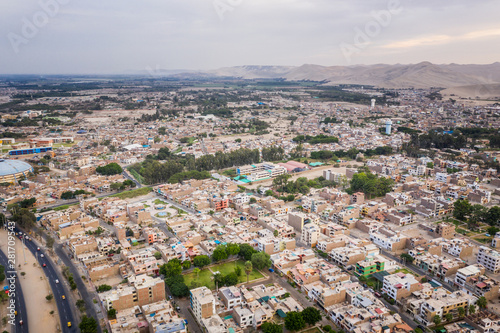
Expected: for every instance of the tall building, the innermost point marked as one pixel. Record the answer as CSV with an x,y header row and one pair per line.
x,y
202,303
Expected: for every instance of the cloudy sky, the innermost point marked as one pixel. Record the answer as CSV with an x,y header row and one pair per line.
x,y
101,37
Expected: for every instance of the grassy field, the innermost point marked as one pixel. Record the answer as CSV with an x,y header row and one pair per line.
x,y
133,193
205,275
63,207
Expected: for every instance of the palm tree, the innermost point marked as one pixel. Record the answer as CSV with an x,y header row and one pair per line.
x,y
472,309
437,319
461,312
248,269
197,271
448,317
482,302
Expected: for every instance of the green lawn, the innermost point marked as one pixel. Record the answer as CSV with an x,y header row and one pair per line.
x,y
205,275
159,202
133,193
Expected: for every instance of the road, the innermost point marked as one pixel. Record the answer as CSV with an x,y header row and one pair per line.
x,y
20,305
82,288
58,289
128,176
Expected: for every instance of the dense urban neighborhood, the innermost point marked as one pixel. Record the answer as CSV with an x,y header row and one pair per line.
x,y
150,205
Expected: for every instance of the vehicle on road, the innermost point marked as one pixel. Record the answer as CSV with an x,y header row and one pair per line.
x,y
271,270
63,296
378,294
38,249
57,281
44,265
69,324
41,255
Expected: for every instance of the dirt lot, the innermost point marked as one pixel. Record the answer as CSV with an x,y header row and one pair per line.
x,y
35,287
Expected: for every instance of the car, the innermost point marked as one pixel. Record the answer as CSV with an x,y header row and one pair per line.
x,y
69,324
38,249
15,313
41,255
169,297
378,294
271,270
63,297
57,281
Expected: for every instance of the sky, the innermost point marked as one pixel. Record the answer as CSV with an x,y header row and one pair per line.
x,y
118,37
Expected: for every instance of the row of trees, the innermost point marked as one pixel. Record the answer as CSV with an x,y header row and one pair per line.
x,y
475,214
296,321
351,153
320,138
301,185
273,153
175,168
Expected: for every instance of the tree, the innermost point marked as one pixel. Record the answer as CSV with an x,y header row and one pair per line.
x,y
186,264
461,312
201,261
253,200
492,230
246,251
238,270
418,330
49,297
493,216
112,313
261,260
172,268
232,249
276,233
110,169
482,302
294,321
472,309
219,253
179,289
197,271
430,165
448,317
437,319
407,257
269,327
157,255
88,325
248,269
311,315
462,209
103,287
231,279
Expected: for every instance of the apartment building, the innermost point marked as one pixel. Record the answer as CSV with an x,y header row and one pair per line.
x,y
202,303
230,297
310,234
489,258
140,290
400,285
445,230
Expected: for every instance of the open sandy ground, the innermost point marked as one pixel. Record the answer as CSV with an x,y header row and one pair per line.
x,y
35,287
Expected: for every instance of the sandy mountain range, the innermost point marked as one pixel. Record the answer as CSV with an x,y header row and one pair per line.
x,y
421,75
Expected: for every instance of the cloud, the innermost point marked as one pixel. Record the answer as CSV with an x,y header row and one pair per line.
x,y
441,39
96,36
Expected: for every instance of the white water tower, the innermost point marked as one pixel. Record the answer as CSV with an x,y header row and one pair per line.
x,y
373,103
388,125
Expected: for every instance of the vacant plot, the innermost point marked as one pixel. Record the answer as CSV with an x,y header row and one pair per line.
x,y
205,276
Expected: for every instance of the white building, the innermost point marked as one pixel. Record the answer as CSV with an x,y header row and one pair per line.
x,y
490,259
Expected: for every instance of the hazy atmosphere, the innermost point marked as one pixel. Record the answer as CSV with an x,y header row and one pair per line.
x,y
96,37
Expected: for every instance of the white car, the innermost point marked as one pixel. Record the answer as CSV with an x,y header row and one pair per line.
x,y
57,281
41,255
